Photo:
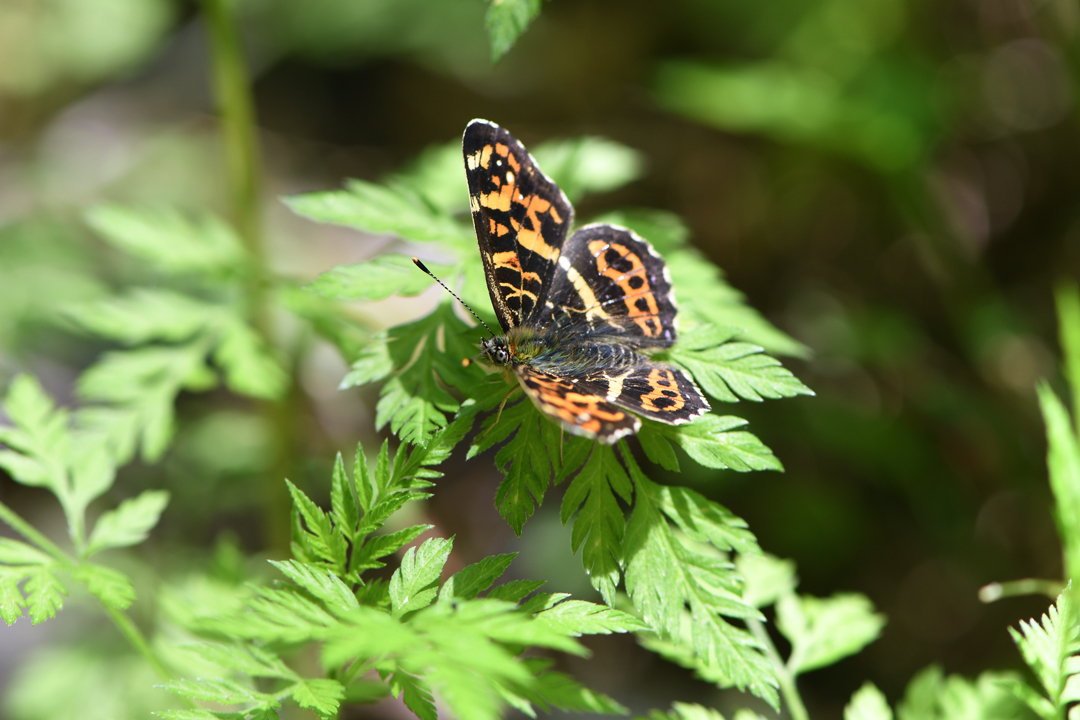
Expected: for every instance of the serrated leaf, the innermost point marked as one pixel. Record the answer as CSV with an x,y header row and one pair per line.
x,y
11,599
474,579
373,364
143,315
321,583
378,279
343,504
25,470
822,631
578,617
40,437
93,471
1049,647
413,585
663,575
320,538
111,587
15,552
567,694
767,578
515,590
506,20
369,633
416,695
525,460
1063,464
44,594
218,690
144,382
323,695
367,556
868,704
168,240
712,442
397,209
366,490
251,367
657,448
739,370
1067,300
426,355
600,524
130,523
245,658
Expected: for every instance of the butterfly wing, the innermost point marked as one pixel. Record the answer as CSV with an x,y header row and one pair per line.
x,y
613,283
658,392
595,404
521,219
581,406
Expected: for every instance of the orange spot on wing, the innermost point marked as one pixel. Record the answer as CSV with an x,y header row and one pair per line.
x,y
663,385
646,318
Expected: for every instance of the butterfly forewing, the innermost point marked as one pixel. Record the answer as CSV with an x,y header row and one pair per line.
x,y
611,282
521,219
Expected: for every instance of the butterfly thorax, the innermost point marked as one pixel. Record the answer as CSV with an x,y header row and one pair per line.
x,y
551,350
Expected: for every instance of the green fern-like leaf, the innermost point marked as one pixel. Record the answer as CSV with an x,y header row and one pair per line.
x,y
171,242
664,575
822,631
868,704
1051,648
600,524
506,20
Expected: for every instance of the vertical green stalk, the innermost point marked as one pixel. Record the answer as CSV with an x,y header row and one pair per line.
x,y
784,676
232,90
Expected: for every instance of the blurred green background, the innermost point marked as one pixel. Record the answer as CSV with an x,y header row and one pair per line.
x,y
894,183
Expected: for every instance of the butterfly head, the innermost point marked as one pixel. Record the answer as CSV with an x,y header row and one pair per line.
x,y
496,350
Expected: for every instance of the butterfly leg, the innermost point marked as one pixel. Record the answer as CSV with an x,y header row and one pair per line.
x,y
499,413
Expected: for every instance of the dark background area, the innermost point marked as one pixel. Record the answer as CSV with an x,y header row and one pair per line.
x,y
892,183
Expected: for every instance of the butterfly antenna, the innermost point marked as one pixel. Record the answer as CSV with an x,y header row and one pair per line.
x,y
423,267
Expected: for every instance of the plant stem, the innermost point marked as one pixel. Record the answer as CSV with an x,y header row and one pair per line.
x,y
128,629
232,89
25,529
783,674
1030,586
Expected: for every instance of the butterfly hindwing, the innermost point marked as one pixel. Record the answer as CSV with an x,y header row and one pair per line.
x,y
612,282
582,407
521,219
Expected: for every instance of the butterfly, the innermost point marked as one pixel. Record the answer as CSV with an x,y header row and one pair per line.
x,y
580,312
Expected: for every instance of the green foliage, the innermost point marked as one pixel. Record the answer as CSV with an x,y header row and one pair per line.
x,y
506,20
1063,433
868,704
171,335
44,450
1050,647
824,631
394,638
932,696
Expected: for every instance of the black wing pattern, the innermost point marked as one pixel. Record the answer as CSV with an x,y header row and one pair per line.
x,y
521,219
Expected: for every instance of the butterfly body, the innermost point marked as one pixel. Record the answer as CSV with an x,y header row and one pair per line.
x,y
580,312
